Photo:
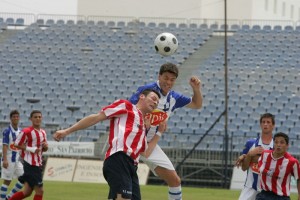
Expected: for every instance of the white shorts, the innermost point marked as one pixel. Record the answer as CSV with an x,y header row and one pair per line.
x,y
14,170
158,158
248,194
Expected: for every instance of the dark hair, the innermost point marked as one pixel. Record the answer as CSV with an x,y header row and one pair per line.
x,y
147,91
285,136
13,112
33,112
267,115
169,67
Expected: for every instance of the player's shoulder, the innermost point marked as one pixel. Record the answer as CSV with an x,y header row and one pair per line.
x,y
251,141
27,129
152,85
6,130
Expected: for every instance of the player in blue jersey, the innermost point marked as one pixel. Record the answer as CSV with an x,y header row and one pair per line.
x,y
249,158
170,100
10,162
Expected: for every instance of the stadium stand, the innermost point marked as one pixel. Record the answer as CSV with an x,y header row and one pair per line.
x,y
90,64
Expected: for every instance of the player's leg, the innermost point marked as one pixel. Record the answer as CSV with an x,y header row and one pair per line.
x,y
27,190
39,192
248,194
6,175
3,189
162,167
18,172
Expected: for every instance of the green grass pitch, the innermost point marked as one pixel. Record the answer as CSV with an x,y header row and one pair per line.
x,y
54,190
94,191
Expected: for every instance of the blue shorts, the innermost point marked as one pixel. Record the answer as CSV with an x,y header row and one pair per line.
x,y
120,173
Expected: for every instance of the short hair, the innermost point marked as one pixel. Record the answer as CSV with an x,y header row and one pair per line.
x,y
34,112
267,115
147,91
169,67
13,112
281,134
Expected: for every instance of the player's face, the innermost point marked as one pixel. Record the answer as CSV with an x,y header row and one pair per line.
x,y
151,102
266,125
166,82
15,119
36,120
280,145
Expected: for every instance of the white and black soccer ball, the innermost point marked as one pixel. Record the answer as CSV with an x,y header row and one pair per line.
x,y
166,44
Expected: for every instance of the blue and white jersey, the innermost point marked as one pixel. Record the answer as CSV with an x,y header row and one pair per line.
x,y
253,171
167,103
9,137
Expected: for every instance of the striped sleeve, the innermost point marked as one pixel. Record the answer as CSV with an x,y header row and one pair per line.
x,y
115,109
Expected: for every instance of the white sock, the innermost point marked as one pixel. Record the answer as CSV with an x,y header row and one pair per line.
x,y
3,191
175,193
18,186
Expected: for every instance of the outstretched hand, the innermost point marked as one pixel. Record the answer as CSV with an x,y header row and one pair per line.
x,y
58,135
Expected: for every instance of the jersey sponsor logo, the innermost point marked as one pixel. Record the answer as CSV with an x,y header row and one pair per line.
x,y
13,148
156,117
254,167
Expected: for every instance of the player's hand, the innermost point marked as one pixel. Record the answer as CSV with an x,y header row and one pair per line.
x,y
58,135
162,127
5,164
239,161
195,82
147,122
44,146
256,151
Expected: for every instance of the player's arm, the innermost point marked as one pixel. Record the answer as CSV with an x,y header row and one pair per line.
x,y
82,124
153,142
196,102
240,160
4,155
252,156
5,143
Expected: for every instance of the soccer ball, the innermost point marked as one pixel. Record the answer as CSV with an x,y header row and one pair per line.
x,y
166,44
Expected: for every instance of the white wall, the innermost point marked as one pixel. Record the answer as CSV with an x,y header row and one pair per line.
x,y
141,8
60,7
208,9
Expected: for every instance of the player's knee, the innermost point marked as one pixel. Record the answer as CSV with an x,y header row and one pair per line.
x,y
177,180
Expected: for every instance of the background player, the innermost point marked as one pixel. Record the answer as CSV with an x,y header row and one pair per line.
x,y
11,164
33,141
127,140
170,100
276,168
253,148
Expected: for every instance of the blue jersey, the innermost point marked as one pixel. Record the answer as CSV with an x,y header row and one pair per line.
x,y
9,137
168,103
253,171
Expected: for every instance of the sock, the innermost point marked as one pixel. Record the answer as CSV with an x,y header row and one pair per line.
x,y
17,196
3,191
38,197
18,186
175,193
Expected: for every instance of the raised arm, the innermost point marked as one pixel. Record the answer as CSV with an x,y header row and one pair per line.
x,y
82,124
196,102
153,142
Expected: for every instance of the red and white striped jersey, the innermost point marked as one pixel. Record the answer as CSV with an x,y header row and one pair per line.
x,y
32,138
275,174
127,130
